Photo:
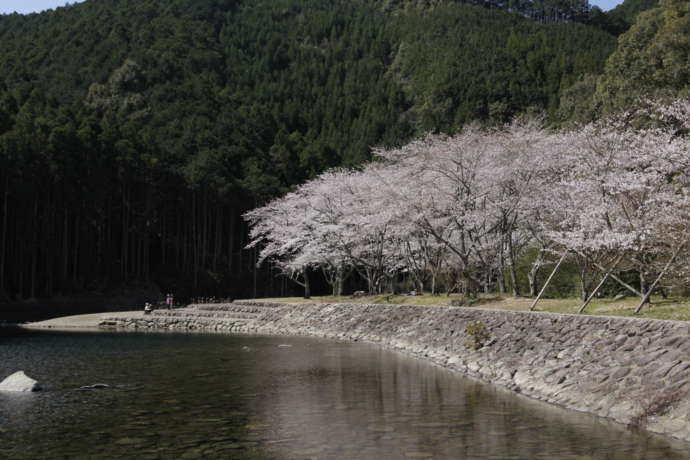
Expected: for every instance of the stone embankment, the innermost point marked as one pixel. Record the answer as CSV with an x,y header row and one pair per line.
x,y
634,371
234,317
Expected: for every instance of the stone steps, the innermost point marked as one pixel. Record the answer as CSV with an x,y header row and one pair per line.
x,y
194,313
238,306
162,322
240,316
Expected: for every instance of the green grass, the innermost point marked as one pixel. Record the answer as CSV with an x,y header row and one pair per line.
x,y
675,309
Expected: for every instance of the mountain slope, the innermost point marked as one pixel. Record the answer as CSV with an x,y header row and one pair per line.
x,y
627,11
133,133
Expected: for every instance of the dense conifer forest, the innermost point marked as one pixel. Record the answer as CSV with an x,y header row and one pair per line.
x,y
135,133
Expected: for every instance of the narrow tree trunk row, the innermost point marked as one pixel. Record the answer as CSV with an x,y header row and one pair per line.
x,y
61,241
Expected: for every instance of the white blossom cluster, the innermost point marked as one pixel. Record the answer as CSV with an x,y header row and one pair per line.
x,y
467,207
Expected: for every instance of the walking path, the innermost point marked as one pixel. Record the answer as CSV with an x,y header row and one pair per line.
x,y
89,321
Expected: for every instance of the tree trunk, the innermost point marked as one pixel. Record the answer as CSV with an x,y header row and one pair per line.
x,y
217,240
648,294
513,280
643,283
109,252
149,219
240,252
75,252
204,230
3,240
48,245
34,249
339,282
65,244
532,280
178,241
501,273
231,240
613,276
334,288
195,241
370,281
307,288
583,284
254,272
124,250
513,272
533,274
164,235
22,269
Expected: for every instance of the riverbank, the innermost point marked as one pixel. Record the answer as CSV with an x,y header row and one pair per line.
x,y
634,371
87,321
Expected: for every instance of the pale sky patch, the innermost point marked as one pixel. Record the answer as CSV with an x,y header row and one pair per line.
x,y
605,4
31,6
34,6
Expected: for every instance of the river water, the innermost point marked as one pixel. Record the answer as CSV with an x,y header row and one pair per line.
x,y
216,396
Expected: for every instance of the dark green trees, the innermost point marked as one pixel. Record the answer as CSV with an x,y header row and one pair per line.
x,y
133,134
652,58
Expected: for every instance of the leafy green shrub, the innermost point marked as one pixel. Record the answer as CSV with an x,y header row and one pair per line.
x,y
477,335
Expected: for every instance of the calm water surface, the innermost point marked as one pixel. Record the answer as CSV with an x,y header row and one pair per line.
x,y
214,396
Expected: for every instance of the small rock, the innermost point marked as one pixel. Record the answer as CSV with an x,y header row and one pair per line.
x,y
19,382
95,386
666,369
620,373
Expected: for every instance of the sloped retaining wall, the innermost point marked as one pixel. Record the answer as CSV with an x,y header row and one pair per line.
x,y
628,369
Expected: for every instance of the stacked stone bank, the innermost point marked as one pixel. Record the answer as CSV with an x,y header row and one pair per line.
x,y
627,369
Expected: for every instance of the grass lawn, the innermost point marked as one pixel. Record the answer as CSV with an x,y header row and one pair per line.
x,y
675,309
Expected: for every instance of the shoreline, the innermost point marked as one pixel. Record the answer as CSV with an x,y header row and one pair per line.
x,y
90,321
616,368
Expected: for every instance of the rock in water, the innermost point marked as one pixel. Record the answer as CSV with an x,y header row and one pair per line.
x,y
95,386
19,381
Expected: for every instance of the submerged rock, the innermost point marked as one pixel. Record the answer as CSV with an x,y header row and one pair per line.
x,y
19,382
95,386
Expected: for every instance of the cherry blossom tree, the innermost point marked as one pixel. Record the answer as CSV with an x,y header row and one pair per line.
x,y
283,229
614,193
623,192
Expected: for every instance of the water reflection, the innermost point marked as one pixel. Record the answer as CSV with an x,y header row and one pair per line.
x,y
378,404
210,396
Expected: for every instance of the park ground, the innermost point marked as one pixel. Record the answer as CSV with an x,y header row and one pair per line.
x,y
673,308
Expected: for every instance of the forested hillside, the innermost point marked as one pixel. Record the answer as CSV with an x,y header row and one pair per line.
x,y
134,133
627,12
650,62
